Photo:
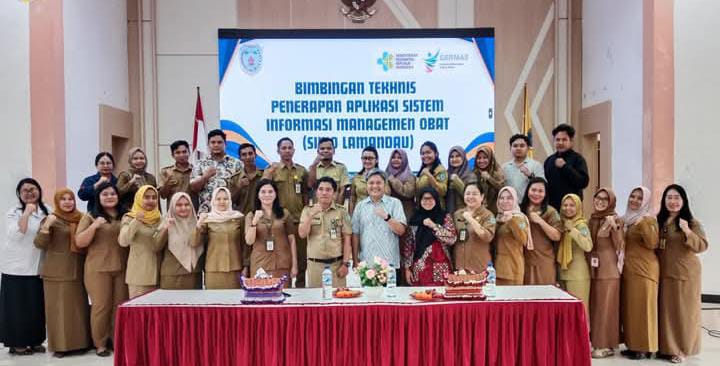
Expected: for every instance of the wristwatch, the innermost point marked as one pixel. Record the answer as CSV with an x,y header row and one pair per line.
x,y
388,217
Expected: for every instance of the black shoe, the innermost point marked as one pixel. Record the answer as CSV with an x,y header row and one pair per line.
x,y
19,351
103,353
60,354
38,349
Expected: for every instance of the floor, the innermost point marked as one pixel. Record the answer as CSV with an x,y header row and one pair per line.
x,y
709,356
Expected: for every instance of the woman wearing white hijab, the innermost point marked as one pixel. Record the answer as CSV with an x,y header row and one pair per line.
x,y
512,236
223,230
179,269
640,277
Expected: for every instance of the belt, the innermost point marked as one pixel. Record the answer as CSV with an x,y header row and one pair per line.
x,y
326,261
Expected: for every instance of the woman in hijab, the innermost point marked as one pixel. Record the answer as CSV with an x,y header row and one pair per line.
x,y
640,277
608,238
426,256
512,236
138,231
459,175
179,269
401,180
66,306
575,242
545,230
681,239
136,176
222,228
489,175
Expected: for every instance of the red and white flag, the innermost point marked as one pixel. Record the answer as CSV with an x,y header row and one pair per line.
x,y
199,142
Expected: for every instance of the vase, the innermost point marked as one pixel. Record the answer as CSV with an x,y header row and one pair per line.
x,y
373,292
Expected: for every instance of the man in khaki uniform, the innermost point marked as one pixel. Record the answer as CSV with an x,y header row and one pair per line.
x,y
246,180
291,181
328,230
325,166
176,178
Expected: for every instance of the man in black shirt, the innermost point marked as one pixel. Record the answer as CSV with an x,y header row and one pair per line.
x,y
566,170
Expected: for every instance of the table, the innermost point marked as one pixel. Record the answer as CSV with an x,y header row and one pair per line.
x,y
525,325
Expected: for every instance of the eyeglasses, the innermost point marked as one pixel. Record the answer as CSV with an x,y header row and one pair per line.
x,y
598,198
367,158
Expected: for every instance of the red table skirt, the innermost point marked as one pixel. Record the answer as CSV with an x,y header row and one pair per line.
x,y
473,333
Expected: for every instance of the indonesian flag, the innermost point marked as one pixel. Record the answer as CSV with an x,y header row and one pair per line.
x,y
199,142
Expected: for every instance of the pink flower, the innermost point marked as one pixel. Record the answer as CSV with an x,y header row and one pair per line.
x,y
384,263
362,264
370,273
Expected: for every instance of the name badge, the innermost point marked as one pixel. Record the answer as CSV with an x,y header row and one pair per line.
x,y
298,188
463,234
333,233
662,244
270,245
594,262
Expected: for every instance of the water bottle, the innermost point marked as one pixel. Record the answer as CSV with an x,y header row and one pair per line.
x,y
327,288
391,282
490,285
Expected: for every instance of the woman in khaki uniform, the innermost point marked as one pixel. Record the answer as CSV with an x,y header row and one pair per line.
x,y
608,238
432,173
105,264
681,239
222,228
640,277
140,231
545,229
512,236
475,225
490,176
401,180
271,234
459,174
136,176
66,307
575,242
358,185
179,269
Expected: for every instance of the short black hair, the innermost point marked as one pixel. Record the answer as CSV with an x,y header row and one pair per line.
x,y
564,127
176,145
519,136
245,145
217,132
285,139
324,140
332,182
100,156
375,172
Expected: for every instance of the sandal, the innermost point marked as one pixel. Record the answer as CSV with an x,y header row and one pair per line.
x,y
19,351
103,353
38,349
602,353
675,359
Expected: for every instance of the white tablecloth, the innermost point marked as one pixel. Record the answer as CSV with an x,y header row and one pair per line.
x,y
313,297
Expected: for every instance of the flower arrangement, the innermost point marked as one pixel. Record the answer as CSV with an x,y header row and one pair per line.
x,y
375,274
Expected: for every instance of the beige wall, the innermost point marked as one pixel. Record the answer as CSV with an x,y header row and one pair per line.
x,y
178,51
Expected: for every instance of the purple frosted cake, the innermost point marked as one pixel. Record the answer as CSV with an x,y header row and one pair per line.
x,y
263,289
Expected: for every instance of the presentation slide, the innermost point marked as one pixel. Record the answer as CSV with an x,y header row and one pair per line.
x,y
392,89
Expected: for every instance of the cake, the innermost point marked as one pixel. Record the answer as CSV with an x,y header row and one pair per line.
x,y
263,288
464,285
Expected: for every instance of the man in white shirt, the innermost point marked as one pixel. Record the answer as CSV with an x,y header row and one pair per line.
x,y
519,170
378,222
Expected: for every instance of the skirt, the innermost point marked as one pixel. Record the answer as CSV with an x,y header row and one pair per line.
x,y
22,311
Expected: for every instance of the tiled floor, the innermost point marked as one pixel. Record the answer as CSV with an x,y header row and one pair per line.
x,y
709,356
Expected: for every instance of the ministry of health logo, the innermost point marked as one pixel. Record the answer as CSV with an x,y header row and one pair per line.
x,y
386,61
251,58
431,61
